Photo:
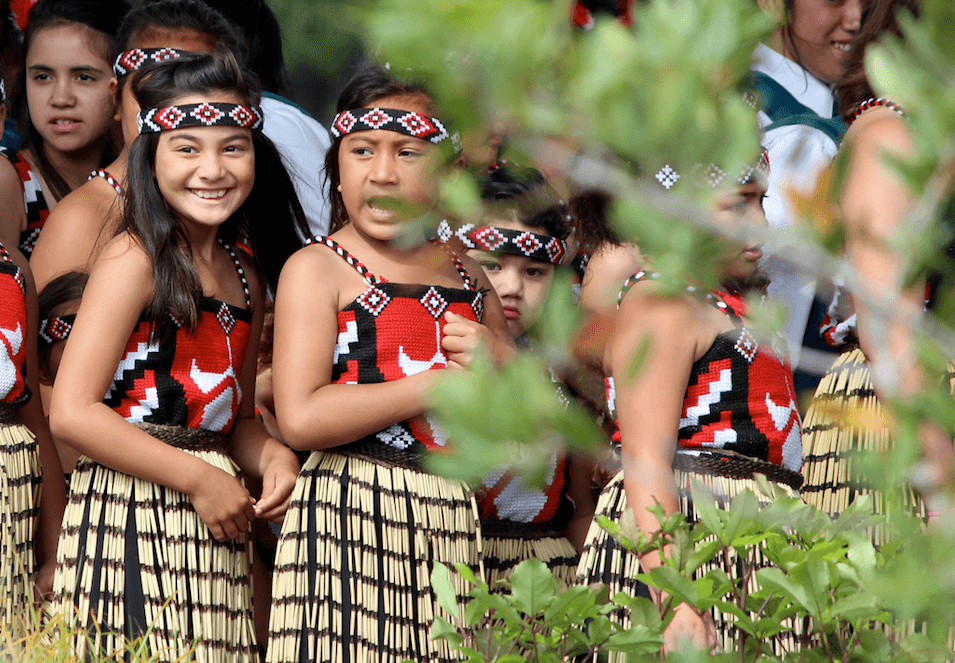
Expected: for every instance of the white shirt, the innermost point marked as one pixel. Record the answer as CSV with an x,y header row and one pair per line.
x,y
302,142
797,154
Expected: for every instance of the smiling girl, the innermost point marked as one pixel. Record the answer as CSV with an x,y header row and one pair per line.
x,y
69,111
168,329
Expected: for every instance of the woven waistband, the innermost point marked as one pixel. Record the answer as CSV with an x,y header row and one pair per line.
x,y
383,454
735,466
10,413
181,437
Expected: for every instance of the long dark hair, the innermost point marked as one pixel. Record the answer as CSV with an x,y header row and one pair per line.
x,y
101,16
370,84
268,218
882,17
264,38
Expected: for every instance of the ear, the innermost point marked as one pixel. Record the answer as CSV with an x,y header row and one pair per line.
x,y
114,96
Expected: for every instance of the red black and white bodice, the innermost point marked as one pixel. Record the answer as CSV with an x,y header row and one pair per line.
x,y
392,331
13,330
740,396
190,379
34,201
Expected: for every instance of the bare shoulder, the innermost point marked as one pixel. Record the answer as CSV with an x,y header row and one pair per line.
x,y
879,129
607,270
312,271
474,270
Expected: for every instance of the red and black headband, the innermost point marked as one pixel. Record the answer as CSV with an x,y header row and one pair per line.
x,y
205,114
524,243
409,123
130,61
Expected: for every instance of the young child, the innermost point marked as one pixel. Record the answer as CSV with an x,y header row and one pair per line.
x,y
30,526
168,329
710,402
81,224
360,319
69,112
519,244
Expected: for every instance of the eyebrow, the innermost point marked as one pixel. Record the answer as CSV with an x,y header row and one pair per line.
x,y
73,70
196,139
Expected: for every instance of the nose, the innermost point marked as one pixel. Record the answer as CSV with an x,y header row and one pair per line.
x,y
852,18
509,283
62,96
384,168
211,165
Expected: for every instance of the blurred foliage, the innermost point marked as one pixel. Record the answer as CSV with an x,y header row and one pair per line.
x,y
608,108
318,33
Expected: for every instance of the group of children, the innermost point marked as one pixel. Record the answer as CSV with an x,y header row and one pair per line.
x,y
160,271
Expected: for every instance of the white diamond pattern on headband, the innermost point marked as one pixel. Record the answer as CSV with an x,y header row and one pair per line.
x,y
667,177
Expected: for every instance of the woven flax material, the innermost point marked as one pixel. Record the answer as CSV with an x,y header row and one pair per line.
x,y
20,481
353,568
845,418
135,555
604,560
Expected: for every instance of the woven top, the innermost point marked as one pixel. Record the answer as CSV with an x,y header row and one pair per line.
x,y
189,380
13,329
36,205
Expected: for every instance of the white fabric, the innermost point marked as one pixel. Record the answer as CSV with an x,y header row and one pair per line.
x,y
797,154
302,142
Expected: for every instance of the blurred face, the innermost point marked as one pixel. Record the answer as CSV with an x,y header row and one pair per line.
x,y
385,177
69,84
820,35
205,173
521,283
736,212
180,40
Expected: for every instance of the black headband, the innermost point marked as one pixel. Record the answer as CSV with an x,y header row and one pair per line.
x,y
130,61
536,246
205,114
409,123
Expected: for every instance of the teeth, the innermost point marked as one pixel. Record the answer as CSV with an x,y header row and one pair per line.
x,y
63,122
206,193
842,46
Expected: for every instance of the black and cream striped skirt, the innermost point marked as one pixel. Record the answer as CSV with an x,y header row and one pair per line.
x,y
352,578
20,480
136,561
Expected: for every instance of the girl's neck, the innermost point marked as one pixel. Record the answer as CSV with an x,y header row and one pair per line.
x,y
75,167
202,241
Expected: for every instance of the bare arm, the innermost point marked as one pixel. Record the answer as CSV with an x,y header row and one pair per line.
x,y
649,405
119,289
254,450
607,270
311,413
13,214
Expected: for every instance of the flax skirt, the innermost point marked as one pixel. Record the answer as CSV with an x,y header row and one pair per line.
x,y
20,479
845,418
134,555
605,561
503,553
352,578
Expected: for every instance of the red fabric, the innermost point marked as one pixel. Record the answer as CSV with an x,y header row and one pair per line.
x,y
13,331
21,11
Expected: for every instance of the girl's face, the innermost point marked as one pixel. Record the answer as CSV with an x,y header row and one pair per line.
x,y
737,211
205,173
180,40
68,85
821,33
386,178
521,283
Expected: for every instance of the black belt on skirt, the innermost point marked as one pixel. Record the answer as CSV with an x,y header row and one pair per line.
x,y
736,466
192,439
10,414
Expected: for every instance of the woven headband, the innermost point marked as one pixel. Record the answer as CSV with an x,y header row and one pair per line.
x,y
205,114
712,175
523,243
130,61
409,123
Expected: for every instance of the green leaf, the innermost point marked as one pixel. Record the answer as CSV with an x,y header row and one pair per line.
x,y
669,580
443,589
532,586
637,640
